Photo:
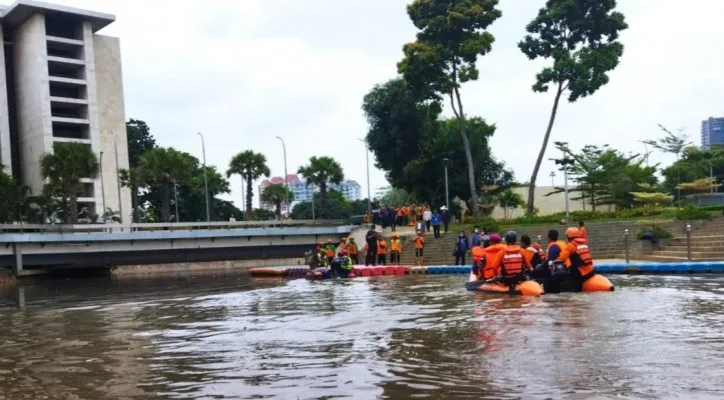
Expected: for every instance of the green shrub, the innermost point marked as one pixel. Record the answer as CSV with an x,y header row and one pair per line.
x,y
658,231
691,213
488,224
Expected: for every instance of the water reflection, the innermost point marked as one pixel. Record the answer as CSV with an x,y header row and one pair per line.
x,y
387,337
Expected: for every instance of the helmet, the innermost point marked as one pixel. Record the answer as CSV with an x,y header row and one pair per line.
x,y
495,238
511,237
572,232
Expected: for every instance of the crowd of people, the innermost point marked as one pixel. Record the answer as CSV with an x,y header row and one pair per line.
x,y
509,260
420,216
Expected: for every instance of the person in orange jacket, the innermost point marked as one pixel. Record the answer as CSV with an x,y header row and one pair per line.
x,y
485,258
352,250
512,265
395,249
577,256
533,251
381,252
419,248
582,232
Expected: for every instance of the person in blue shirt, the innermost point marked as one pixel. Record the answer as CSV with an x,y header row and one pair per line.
x,y
462,245
436,220
555,247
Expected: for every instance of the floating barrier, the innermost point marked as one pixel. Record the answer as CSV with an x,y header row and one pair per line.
x,y
675,268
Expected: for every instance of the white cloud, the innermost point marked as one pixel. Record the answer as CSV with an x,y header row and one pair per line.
x,y
246,71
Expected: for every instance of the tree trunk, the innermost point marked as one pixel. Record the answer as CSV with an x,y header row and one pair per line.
x,y
134,203
249,193
468,156
72,208
166,204
279,208
322,200
534,176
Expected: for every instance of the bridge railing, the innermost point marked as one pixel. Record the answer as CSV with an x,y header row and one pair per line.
x,y
149,227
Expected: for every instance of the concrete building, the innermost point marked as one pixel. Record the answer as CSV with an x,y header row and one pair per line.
x,y
350,189
62,82
712,133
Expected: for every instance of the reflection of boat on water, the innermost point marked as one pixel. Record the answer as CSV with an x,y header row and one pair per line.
x,y
566,283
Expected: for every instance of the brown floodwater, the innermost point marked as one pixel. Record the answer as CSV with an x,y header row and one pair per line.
x,y
397,338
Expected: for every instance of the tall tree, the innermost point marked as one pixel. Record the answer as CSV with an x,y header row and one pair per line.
x,y
581,36
140,140
400,123
452,35
674,144
65,167
275,195
321,171
250,166
130,178
162,167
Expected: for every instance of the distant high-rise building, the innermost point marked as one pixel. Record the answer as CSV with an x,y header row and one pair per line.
x,y
303,191
712,132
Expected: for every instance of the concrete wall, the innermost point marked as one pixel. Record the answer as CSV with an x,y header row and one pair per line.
x,y
111,121
35,130
93,125
5,160
546,204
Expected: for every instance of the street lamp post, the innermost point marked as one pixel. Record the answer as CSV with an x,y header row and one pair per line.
x,y
286,177
553,178
565,162
206,179
103,190
313,215
447,191
175,198
369,195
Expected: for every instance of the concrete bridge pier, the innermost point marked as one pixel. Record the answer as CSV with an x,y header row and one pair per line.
x,y
18,253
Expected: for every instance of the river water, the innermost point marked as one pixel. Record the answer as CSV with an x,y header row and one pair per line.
x,y
397,338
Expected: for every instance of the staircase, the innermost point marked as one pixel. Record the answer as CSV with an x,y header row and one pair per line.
x,y
707,244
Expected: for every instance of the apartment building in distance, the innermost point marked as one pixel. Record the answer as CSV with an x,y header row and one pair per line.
x,y
712,133
62,82
303,191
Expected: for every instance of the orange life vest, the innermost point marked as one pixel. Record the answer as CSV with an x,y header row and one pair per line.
x,y
352,249
395,245
490,257
381,247
536,249
581,258
512,262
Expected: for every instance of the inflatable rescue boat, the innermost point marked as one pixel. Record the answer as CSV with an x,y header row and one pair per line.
x,y
525,288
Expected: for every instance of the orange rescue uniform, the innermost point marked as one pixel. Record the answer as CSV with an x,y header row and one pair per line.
x,y
577,255
490,256
512,262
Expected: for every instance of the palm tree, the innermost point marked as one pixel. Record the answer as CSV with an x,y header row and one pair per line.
x,y
250,166
275,195
322,171
160,168
65,167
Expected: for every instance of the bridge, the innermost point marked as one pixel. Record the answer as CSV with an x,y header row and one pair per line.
x,y
32,249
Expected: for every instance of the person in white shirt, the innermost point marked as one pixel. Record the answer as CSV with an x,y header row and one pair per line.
x,y
427,217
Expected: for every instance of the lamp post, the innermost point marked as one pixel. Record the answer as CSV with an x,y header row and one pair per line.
x,y
103,190
369,195
286,177
553,178
445,162
206,179
625,243
688,242
313,215
565,162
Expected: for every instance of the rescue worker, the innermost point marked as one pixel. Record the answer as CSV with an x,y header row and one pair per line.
x,y
352,250
330,249
577,257
395,249
419,248
555,247
488,257
512,265
320,255
341,266
382,252
534,252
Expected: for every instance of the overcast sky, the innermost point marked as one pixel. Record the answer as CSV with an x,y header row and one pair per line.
x,y
245,71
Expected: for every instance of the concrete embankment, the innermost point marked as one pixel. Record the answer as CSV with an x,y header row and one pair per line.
x,y
204,268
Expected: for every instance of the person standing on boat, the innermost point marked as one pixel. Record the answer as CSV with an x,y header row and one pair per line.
x,y
352,250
